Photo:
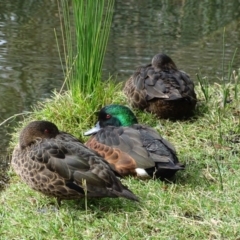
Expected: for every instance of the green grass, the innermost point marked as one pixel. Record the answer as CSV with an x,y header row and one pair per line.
x,y
202,204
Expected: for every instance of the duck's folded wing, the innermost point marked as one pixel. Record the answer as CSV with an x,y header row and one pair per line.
x,y
159,149
81,168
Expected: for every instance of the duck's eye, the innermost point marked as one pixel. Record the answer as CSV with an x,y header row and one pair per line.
x,y
108,116
46,131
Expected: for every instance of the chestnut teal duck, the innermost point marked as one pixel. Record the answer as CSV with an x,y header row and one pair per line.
x,y
162,89
57,164
132,148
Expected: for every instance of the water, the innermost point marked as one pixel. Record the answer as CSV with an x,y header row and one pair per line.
x,y
191,32
29,63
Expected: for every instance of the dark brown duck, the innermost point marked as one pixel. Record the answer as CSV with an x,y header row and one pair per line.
x,y
132,148
57,164
162,89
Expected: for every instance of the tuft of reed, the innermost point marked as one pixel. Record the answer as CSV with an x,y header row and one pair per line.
x,y
85,31
204,84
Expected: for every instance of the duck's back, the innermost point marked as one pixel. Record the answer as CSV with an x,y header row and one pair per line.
x,y
167,93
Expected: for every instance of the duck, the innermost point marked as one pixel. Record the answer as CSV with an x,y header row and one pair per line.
x,y
160,88
132,149
58,165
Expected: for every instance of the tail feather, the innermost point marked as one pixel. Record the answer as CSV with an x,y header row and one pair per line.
x,y
126,193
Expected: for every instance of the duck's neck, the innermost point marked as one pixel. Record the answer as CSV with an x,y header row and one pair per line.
x,y
127,120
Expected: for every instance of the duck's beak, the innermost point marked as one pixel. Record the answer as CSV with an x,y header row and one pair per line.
x,y
93,130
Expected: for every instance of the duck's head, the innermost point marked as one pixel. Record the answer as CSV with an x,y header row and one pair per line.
x,y
163,62
37,130
113,115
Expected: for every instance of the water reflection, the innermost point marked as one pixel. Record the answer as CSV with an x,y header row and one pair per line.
x,y
29,63
189,31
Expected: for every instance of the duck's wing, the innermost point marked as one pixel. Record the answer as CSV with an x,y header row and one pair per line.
x,y
187,86
148,83
81,168
167,85
122,148
160,150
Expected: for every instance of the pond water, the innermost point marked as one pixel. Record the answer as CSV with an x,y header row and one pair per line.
x,y
191,32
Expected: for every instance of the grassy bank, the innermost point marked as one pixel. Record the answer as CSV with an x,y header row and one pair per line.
x,y
202,204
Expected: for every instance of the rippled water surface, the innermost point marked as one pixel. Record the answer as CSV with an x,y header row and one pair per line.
x,y
191,32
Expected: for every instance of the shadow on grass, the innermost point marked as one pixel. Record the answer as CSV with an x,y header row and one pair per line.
x,y
103,205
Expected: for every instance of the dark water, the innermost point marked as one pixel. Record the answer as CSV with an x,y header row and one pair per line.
x,y
191,32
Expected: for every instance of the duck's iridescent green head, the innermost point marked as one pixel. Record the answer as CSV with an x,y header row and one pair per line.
x,y
113,115
116,115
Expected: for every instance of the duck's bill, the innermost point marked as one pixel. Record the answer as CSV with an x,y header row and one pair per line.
x,y
93,130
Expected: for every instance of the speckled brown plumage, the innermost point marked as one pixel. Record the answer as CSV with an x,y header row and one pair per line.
x,y
128,147
57,164
162,89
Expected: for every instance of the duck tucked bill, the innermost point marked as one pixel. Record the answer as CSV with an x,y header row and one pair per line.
x,y
132,148
59,165
162,89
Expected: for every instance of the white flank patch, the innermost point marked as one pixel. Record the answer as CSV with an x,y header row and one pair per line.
x,y
142,173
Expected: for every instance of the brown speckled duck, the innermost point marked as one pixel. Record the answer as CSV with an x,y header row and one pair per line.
x,y
132,148
57,164
162,89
